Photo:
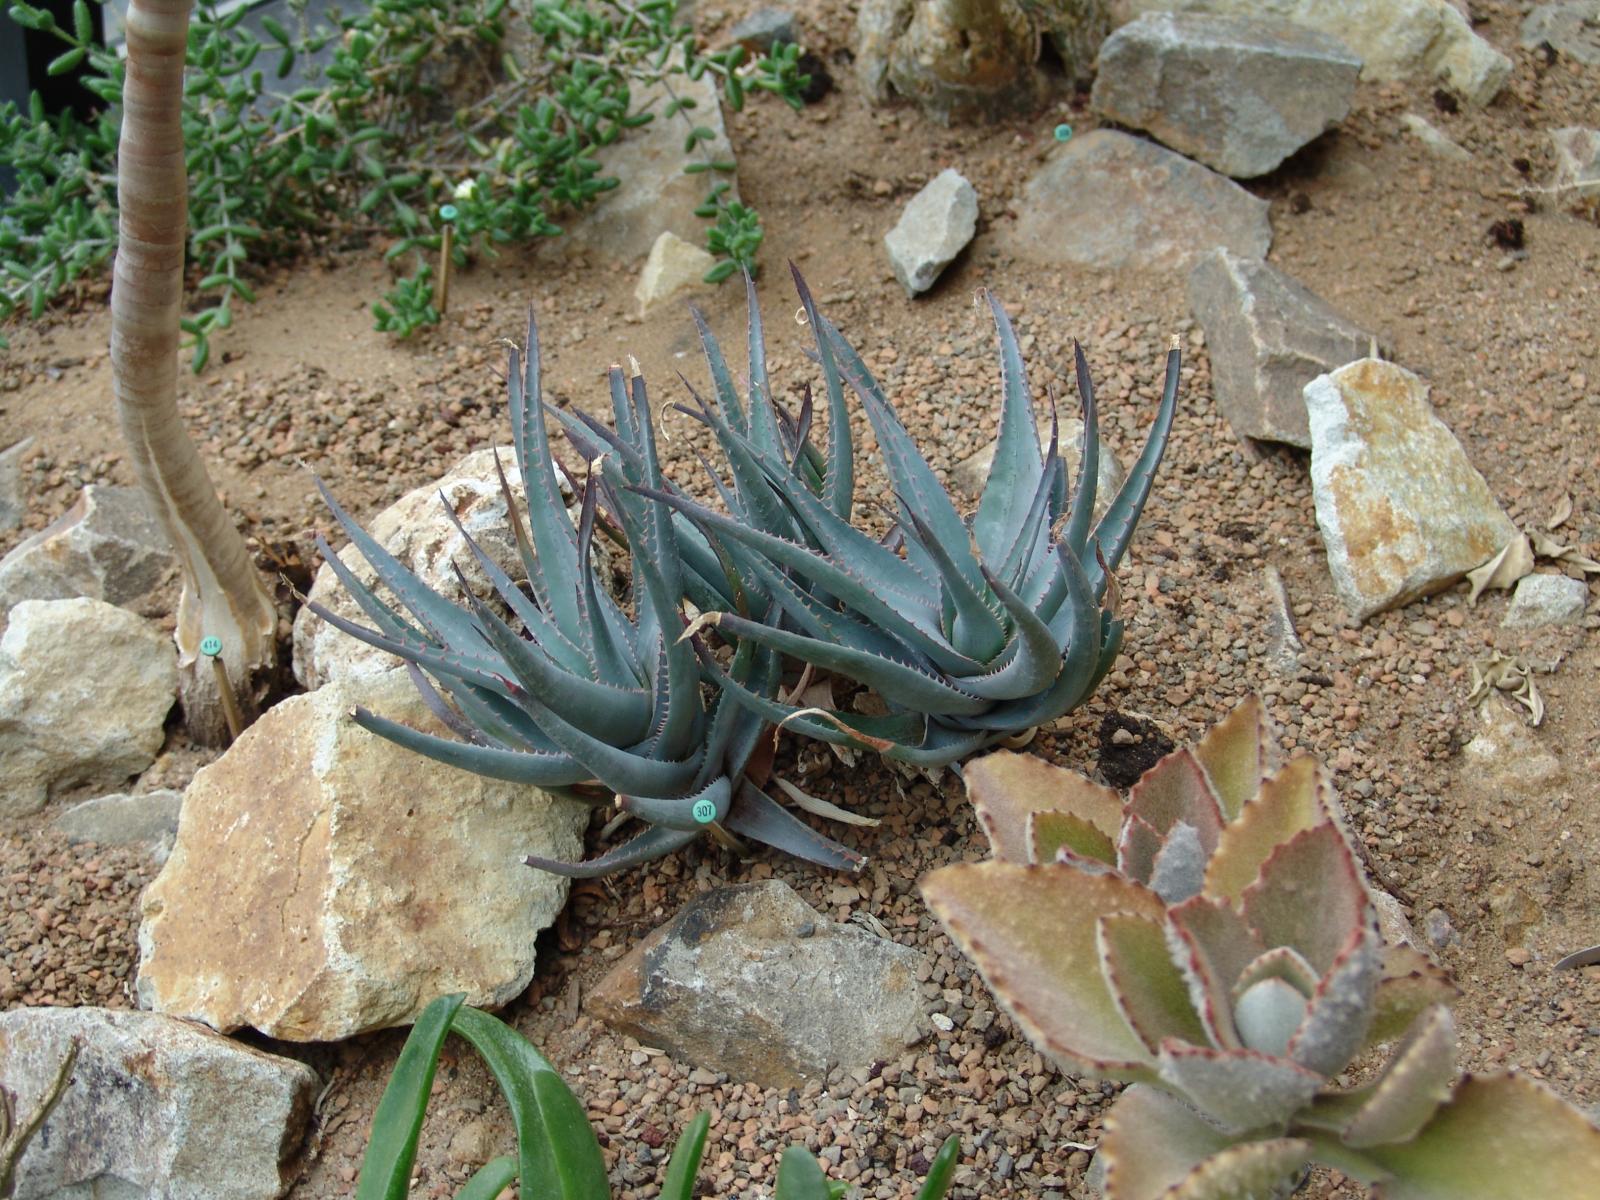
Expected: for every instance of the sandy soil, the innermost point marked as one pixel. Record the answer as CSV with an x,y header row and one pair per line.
x,y
1396,237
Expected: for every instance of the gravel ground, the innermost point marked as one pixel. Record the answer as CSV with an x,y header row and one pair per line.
x,y
1399,239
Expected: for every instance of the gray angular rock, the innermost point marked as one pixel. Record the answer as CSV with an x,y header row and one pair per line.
x,y
674,266
417,531
933,228
1268,336
13,504
363,880
969,475
1114,201
1395,39
155,1107
1240,94
1577,161
1542,600
1573,29
148,819
107,546
752,981
654,193
85,688
764,29
1403,513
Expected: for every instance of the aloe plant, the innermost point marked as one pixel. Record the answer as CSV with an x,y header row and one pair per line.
x,y
558,1157
1211,940
976,633
583,699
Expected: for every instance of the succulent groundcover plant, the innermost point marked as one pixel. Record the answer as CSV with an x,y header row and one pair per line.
x,y
967,633
1212,941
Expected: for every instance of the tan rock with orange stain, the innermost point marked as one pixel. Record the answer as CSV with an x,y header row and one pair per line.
x,y
1403,512
326,882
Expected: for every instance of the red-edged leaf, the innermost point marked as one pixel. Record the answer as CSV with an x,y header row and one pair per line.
x,y
1498,1137
1050,832
1137,848
1005,788
1395,1107
1212,945
1310,896
1157,1148
1295,799
1177,789
1031,931
1148,988
1281,962
1238,1090
1236,754
1411,983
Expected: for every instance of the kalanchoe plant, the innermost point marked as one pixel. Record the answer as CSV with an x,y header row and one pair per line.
x,y
558,1157
979,631
1212,941
583,699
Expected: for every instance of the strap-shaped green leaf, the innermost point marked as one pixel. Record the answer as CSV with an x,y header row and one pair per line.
x,y
489,1180
800,1176
558,1156
397,1123
942,1173
684,1164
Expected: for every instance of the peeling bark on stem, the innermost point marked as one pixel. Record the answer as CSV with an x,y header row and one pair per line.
x,y
223,596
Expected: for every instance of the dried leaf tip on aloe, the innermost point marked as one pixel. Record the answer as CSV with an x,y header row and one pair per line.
x,y
967,631
1210,939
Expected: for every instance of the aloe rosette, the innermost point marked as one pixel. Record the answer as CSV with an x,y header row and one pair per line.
x,y
1212,941
558,686
969,633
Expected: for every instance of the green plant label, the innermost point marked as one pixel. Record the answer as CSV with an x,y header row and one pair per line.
x,y
211,646
704,811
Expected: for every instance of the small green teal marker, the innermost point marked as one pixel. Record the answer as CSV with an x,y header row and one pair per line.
x,y
448,212
704,811
1063,133
211,646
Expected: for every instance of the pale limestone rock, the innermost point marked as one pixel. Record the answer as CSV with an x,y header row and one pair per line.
x,y
1395,39
969,476
417,531
1573,29
1114,201
155,1108
1240,94
674,266
1433,139
933,228
361,881
752,981
13,504
85,688
1577,161
1268,335
1403,512
107,546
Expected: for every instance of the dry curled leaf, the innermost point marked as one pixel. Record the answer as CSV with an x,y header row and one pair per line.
x,y
1563,510
1512,675
1513,562
1546,546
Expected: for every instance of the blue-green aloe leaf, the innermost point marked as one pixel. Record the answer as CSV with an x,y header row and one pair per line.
x,y
514,766
653,843
1116,526
1017,468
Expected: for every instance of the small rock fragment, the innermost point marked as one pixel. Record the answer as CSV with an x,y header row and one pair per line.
x,y
362,881
1542,600
934,227
85,688
149,819
1111,200
107,546
1505,756
155,1107
728,985
1403,513
674,266
1437,927
1240,94
13,501
1433,139
1268,336
1572,29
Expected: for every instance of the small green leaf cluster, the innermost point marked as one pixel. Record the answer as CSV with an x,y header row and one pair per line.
x,y
558,1157
495,108
964,633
